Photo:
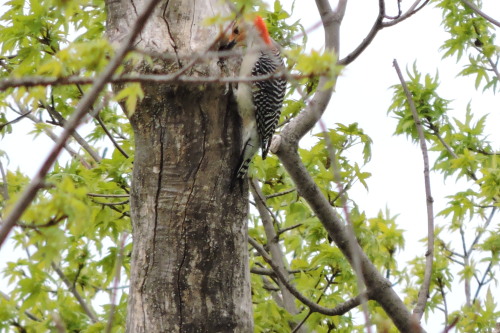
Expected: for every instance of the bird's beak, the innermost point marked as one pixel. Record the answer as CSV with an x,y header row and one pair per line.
x,y
228,46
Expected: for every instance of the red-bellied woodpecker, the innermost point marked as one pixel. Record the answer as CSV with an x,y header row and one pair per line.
x,y
259,102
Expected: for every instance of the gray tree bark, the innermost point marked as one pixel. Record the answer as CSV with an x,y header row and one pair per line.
x,y
189,270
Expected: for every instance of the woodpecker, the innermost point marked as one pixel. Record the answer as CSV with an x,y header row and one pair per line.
x,y
259,102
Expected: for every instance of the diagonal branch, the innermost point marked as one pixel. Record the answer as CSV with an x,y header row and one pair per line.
x,y
85,306
377,26
13,121
81,110
305,121
479,12
429,255
379,289
313,306
50,134
277,255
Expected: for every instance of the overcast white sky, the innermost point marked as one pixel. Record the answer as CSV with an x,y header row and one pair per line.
x,y
363,96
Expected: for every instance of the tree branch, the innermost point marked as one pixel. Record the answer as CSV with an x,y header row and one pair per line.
x,y
313,306
83,106
379,288
274,195
479,12
51,134
273,244
116,283
81,141
174,78
110,136
5,186
13,121
85,306
377,26
423,293
410,12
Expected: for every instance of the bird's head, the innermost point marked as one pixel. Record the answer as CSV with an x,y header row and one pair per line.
x,y
248,33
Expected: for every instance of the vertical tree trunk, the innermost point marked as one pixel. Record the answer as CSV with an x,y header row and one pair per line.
x,y
189,269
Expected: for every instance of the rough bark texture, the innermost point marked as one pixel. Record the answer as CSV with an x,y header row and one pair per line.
x,y
189,269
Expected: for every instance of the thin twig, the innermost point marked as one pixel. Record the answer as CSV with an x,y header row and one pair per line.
x,y
116,283
50,223
313,306
61,122
328,283
81,110
443,295
13,121
377,26
277,255
124,202
274,195
280,231
50,133
85,306
483,281
482,230
99,195
5,185
410,12
110,136
466,264
429,255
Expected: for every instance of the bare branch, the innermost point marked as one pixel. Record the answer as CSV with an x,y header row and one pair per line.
x,y
97,195
110,136
483,229
443,295
81,141
377,26
379,288
313,306
355,250
410,12
305,120
262,271
83,106
124,202
479,12
50,134
85,306
277,255
13,121
274,195
174,78
281,231
429,255
483,281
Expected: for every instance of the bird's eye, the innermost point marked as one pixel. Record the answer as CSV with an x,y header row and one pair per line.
x,y
236,31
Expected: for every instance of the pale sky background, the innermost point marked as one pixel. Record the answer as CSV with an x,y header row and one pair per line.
x,y
363,96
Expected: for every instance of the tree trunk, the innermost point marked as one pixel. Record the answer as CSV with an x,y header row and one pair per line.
x,y
189,270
